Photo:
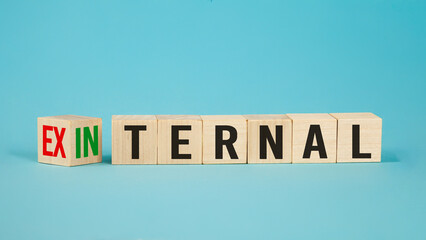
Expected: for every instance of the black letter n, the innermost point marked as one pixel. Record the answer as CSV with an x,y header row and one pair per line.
x,y
266,136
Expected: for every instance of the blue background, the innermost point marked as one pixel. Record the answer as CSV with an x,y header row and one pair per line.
x,y
99,58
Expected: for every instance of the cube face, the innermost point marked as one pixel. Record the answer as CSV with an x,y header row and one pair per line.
x,y
49,131
224,139
359,137
314,138
69,140
179,139
269,138
134,139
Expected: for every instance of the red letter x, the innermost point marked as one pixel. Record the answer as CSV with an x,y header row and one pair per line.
x,y
59,146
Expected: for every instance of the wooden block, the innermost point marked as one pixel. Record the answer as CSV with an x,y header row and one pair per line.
x,y
359,137
69,140
269,138
134,139
179,139
224,139
314,138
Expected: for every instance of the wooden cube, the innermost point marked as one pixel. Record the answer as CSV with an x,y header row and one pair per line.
x,y
314,138
359,137
179,139
134,139
69,140
269,138
224,139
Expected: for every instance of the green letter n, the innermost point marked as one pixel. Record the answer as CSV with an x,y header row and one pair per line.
x,y
92,140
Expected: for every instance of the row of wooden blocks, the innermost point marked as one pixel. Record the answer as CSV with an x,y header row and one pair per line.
x,y
71,140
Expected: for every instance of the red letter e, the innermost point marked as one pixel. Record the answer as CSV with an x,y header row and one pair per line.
x,y
46,140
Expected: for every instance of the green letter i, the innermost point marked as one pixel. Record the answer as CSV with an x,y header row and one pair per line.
x,y
78,142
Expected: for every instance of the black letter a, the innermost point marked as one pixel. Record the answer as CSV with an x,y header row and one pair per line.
x,y
314,130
